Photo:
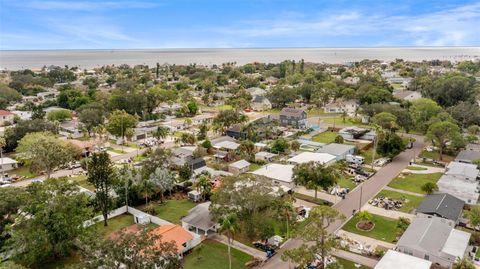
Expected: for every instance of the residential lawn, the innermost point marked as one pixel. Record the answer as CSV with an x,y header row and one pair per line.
x,y
384,230
310,199
416,168
82,181
477,254
211,254
23,171
320,111
413,182
224,107
116,150
254,166
346,182
346,264
114,224
368,155
174,210
348,121
411,202
436,156
325,137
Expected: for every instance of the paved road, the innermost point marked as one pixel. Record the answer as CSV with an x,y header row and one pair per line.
x,y
359,196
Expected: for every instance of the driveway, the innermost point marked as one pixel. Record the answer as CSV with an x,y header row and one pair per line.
x,y
356,199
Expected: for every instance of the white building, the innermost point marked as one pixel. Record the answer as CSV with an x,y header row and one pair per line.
x,y
280,174
305,157
7,164
394,259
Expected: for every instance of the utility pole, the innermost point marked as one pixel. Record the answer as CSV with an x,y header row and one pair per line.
x,y
375,139
360,201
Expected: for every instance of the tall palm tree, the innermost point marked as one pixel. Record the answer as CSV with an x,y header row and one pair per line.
x,y
161,132
229,226
204,186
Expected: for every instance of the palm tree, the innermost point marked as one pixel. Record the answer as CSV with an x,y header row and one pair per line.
x,y
147,189
229,226
285,208
204,186
161,132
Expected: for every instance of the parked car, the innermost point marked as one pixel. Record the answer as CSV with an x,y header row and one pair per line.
x,y
382,161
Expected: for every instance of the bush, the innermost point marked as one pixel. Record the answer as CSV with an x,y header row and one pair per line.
x,y
150,209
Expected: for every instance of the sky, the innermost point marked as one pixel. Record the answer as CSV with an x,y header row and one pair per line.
x,y
89,24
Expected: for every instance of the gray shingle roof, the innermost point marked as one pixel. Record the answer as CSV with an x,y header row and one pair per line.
x,y
468,155
443,205
336,149
200,217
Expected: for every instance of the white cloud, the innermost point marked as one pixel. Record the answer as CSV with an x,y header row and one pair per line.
x,y
449,27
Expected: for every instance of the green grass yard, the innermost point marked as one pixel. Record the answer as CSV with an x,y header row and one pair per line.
x,y
23,171
384,230
436,156
349,264
413,182
346,182
174,210
348,122
325,137
114,224
211,254
411,201
82,181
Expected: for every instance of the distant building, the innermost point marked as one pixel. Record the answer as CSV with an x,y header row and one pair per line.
x,y
239,167
260,103
280,174
305,157
340,151
6,117
407,95
354,132
340,106
7,164
293,117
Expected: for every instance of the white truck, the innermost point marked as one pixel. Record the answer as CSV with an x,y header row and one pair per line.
x,y
356,159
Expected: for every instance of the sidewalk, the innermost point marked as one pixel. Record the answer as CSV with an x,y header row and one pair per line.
x,y
404,191
356,258
393,214
366,242
237,245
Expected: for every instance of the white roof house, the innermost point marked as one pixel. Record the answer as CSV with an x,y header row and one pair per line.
x,y
6,160
279,173
464,170
459,187
398,260
305,157
240,164
230,145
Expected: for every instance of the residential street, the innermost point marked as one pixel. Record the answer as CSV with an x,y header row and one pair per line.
x,y
359,196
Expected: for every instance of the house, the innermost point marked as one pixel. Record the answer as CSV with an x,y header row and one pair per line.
x,y
203,118
199,220
280,174
470,146
171,232
434,240
264,156
442,205
463,170
70,128
6,117
194,195
464,189
407,95
236,131
354,132
348,106
24,115
260,103
394,259
309,145
260,146
184,155
229,146
239,167
351,80
340,151
293,117
7,164
305,157
468,156
253,91
175,125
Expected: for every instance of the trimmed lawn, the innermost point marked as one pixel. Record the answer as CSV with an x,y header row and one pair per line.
x,y
82,181
436,156
254,166
211,254
346,182
413,182
348,122
325,137
416,168
384,230
224,107
349,264
23,171
114,225
174,210
410,201
368,155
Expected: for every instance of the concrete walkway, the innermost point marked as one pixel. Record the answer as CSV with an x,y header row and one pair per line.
x,y
429,169
404,191
237,245
366,242
320,195
356,258
393,214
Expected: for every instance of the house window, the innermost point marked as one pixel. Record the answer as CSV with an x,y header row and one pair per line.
x,y
427,257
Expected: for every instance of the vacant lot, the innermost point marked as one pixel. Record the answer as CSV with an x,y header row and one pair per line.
x,y
414,182
384,230
325,137
211,254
